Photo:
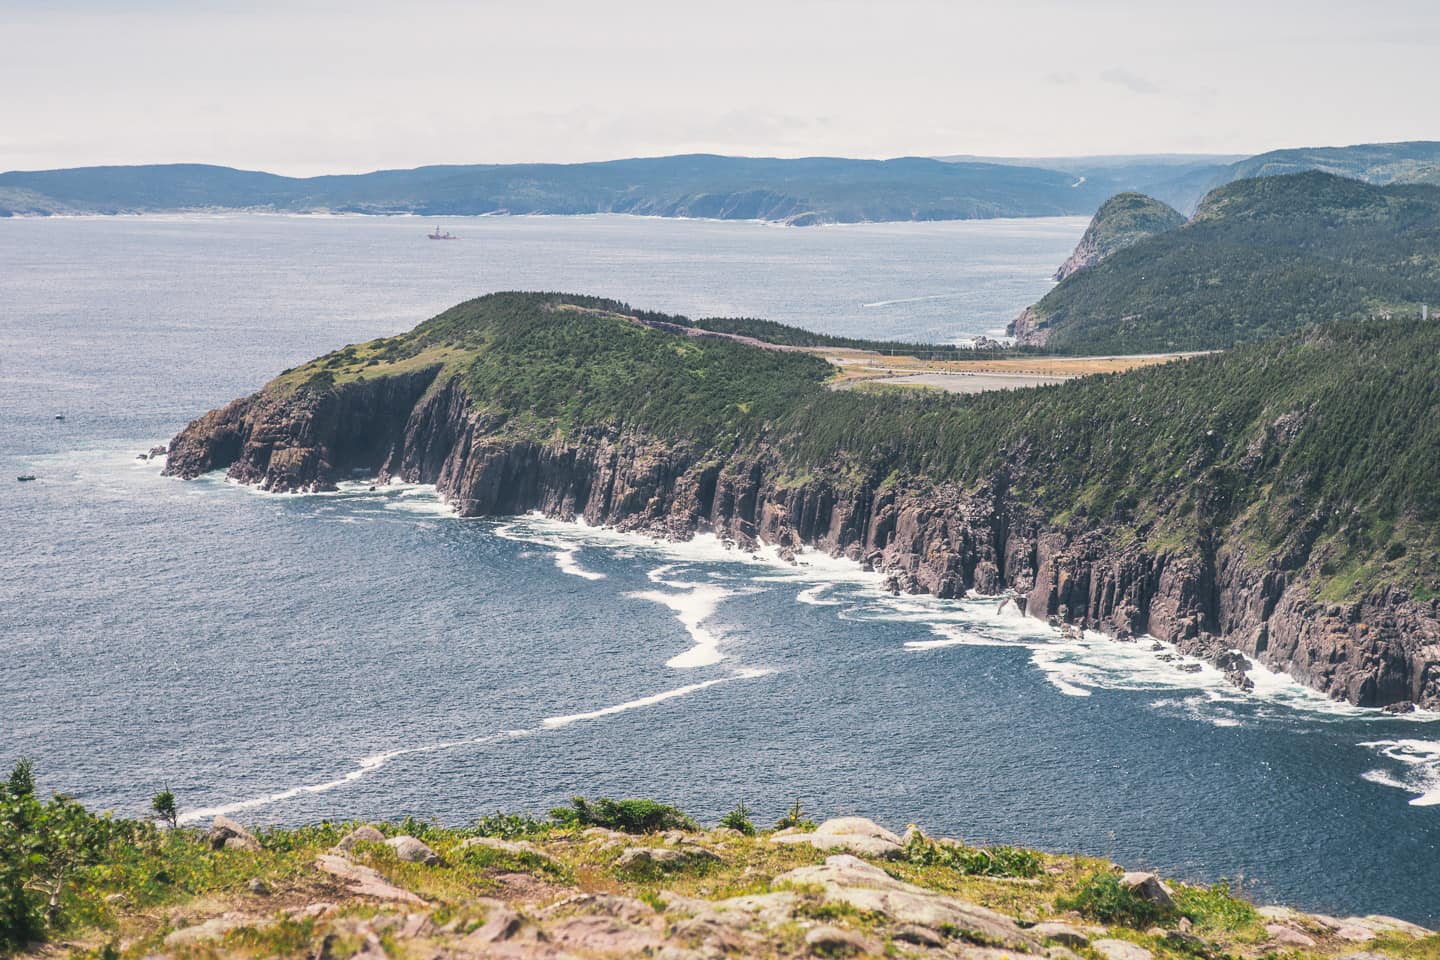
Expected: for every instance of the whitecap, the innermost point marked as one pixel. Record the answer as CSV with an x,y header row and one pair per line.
x,y
369,764
1419,771
694,603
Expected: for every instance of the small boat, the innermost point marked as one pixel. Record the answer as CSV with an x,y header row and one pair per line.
x,y
59,416
25,477
437,235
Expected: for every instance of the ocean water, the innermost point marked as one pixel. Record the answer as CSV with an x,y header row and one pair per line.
x,y
365,654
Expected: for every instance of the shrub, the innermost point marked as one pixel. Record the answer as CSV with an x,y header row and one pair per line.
x,y
48,851
999,861
507,826
795,819
739,819
1103,897
1215,907
627,816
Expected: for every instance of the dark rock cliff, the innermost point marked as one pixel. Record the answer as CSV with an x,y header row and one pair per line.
x,y
931,538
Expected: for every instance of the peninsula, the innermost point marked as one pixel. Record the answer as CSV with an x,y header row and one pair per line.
x,y
1210,501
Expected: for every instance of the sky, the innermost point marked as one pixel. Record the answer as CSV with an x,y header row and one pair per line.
x,y
306,87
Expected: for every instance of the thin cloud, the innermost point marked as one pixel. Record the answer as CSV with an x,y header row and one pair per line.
x,y
1130,81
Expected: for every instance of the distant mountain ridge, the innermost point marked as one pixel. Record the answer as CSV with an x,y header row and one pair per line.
x,y
801,192
1415,161
1181,180
1260,258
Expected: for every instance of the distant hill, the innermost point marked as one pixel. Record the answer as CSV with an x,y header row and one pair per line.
x,y
1179,180
1122,221
801,192
1260,258
1379,163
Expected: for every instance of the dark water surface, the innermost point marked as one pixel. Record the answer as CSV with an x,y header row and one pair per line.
x,y
367,655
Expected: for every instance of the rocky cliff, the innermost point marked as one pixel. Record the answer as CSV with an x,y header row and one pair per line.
x,y
931,537
1122,221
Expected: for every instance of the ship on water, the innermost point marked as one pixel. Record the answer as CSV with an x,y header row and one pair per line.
x,y
437,235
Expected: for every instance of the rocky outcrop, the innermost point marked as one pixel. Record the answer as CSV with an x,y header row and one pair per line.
x,y
934,538
1122,221
1031,328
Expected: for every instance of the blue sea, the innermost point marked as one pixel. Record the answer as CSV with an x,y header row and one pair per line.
x,y
366,654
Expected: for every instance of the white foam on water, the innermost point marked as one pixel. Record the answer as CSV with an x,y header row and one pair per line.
x,y
375,761
815,596
551,723
566,563
694,603
365,765
1075,666
954,635
565,552
933,296
1420,768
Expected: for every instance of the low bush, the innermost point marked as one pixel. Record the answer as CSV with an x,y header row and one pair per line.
x,y
999,861
795,819
627,816
1105,898
1215,907
739,819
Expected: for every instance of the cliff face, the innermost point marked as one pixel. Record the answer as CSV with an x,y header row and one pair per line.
x,y
931,538
1124,220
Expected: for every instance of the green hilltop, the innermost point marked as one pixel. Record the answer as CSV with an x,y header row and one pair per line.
x,y
1259,259
1122,221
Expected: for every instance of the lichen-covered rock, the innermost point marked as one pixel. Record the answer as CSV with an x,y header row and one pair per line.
x,y
829,941
1112,949
664,858
363,881
412,850
850,880
365,834
1147,886
855,835
229,835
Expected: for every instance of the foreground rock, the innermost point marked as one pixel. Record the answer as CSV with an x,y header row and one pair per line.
x,y
412,850
855,835
228,835
846,879
362,881
600,894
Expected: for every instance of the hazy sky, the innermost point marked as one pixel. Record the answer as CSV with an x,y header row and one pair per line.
x,y
307,87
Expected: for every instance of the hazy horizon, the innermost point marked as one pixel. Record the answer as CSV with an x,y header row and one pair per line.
x,y
318,87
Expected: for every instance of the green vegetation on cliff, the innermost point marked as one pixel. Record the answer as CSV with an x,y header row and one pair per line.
x,y
552,362
1317,448
1416,161
1326,437
1261,258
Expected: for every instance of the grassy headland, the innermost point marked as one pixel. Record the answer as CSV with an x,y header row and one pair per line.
x,y
1328,433
607,879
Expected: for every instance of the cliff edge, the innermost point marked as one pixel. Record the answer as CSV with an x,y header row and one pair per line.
x,y
1205,502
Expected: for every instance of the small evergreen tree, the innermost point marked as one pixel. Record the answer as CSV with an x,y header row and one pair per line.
x,y
739,819
165,809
